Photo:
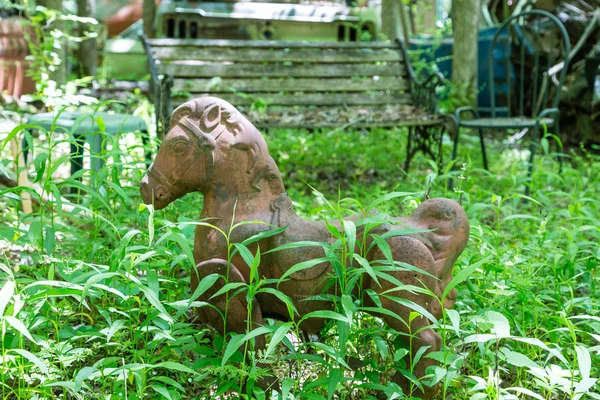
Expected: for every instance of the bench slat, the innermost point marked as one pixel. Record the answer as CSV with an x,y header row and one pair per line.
x,y
194,69
275,44
332,117
308,99
253,85
261,55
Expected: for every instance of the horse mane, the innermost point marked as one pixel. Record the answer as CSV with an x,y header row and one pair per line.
x,y
232,130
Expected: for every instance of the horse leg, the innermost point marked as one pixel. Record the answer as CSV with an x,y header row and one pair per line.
x,y
413,252
235,308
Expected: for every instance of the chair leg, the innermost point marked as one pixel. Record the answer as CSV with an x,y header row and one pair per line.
x,y
409,152
483,154
146,144
77,153
25,146
454,155
532,150
558,156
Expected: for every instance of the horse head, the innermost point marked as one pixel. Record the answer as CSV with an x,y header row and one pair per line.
x,y
209,143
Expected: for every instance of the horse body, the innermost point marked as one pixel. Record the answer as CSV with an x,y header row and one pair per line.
x,y
212,148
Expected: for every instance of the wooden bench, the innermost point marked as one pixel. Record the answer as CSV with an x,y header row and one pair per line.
x,y
301,84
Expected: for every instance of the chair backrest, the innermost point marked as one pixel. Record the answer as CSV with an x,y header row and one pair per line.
x,y
541,42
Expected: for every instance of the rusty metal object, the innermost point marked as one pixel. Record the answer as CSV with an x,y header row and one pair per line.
x,y
212,148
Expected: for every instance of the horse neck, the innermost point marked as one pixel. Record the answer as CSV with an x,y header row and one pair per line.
x,y
249,203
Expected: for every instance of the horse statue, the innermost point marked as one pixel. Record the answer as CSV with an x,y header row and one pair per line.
x,y
212,148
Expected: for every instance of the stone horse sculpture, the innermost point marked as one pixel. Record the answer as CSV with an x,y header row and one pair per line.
x,y
212,148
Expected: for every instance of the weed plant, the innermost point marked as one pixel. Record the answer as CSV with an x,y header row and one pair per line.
x,y
95,300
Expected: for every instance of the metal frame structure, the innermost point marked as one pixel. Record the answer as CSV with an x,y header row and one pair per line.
x,y
528,112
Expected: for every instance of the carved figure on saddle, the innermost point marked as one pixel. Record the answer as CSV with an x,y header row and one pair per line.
x,y
212,148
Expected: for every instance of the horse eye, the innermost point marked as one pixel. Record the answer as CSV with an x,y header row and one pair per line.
x,y
179,146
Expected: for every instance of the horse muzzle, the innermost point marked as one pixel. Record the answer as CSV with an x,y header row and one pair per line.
x,y
154,194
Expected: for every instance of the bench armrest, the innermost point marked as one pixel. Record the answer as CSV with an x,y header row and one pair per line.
x,y
151,61
549,112
423,89
462,110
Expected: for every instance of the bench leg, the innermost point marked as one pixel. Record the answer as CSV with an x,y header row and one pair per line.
x,y
483,153
146,144
410,152
454,156
25,145
96,148
532,150
558,155
77,154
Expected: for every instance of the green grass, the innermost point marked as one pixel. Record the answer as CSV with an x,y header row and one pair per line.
x,y
95,302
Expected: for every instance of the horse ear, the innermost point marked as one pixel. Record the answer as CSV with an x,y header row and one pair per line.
x,y
211,117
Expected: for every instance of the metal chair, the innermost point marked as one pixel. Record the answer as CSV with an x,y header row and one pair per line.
x,y
85,126
534,105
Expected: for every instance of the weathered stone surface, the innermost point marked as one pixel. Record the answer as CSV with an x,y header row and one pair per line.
x,y
213,149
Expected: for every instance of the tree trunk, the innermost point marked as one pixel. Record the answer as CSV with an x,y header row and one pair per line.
x,y
427,12
148,13
390,19
88,54
465,23
59,75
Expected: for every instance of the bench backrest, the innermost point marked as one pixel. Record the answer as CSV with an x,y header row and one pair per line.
x,y
280,74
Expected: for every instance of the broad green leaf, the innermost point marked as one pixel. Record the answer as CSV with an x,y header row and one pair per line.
x,y
292,311
153,299
277,337
95,279
254,266
161,390
82,375
33,358
415,307
400,354
330,351
521,216
263,235
461,276
363,262
206,283
114,328
325,314
350,232
517,359
500,324
6,293
303,265
175,366
237,340
335,375
419,354
295,245
228,287
348,306
382,346
246,254
169,381
182,241
454,317
526,392
287,384
584,361
20,327
387,197
384,247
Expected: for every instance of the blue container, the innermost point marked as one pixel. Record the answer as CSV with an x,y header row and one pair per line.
x,y
439,50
